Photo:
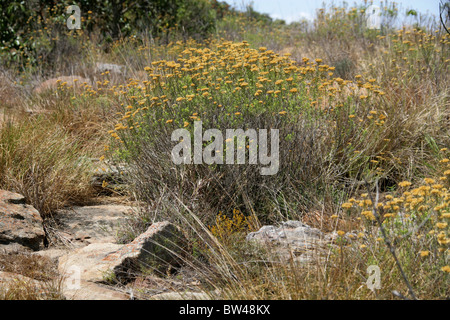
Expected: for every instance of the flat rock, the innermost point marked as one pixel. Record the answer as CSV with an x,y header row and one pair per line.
x,y
92,224
159,248
20,224
88,262
289,233
291,241
52,253
101,67
183,296
92,291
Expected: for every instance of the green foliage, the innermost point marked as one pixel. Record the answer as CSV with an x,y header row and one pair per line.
x,y
31,29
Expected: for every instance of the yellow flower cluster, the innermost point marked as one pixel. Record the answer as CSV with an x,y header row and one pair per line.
x,y
222,74
426,205
225,227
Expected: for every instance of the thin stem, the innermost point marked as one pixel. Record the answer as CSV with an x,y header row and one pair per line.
x,y
387,241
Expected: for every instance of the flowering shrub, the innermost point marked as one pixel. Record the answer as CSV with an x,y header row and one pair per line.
x,y
416,223
227,228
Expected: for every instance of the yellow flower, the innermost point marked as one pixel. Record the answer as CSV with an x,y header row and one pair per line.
x,y
424,253
347,205
341,233
441,225
368,214
446,269
404,184
334,216
169,121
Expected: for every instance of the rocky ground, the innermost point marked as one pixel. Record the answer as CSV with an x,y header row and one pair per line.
x,y
91,262
81,245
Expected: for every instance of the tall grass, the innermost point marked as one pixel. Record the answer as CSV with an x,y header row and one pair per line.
x,y
43,163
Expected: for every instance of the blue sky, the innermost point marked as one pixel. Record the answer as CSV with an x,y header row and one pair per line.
x,y
294,10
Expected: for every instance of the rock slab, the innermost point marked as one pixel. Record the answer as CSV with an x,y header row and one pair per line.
x,y
20,224
291,241
92,291
101,67
92,224
159,248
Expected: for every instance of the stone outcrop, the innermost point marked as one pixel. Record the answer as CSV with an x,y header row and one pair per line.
x,y
292,241
93,291
184,296
88,262
157,249
20,224
101,67
90,224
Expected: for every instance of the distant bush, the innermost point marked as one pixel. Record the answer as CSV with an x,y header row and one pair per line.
x,y
24,23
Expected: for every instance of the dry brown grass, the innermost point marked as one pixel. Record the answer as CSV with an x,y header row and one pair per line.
x,y
29,277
